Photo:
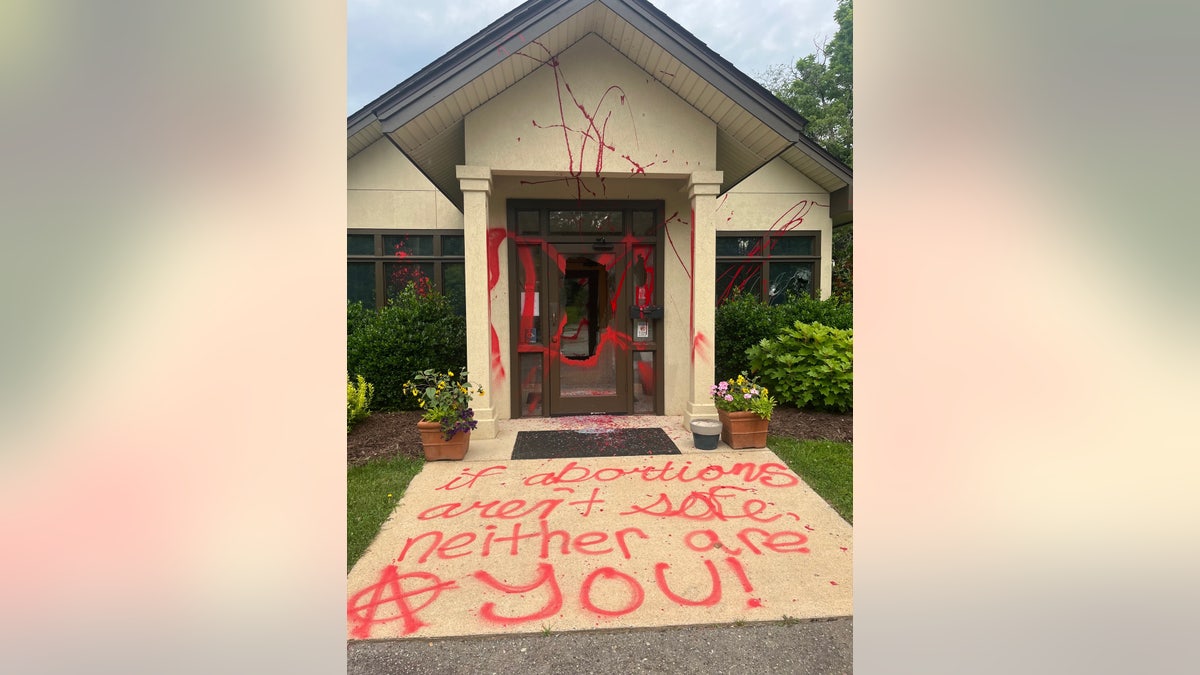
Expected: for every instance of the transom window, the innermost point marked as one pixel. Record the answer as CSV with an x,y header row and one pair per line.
x,y
380,263
767,265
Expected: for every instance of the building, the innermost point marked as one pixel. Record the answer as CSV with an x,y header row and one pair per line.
x,y
589,180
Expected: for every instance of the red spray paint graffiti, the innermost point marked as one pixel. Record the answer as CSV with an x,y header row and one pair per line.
x,y
748,277
525,527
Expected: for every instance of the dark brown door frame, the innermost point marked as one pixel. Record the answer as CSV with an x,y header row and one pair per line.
x,y
543,244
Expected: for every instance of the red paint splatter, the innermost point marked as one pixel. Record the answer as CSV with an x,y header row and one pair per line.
x,y
809,528
497,365
833,583
545,577
495,237
637,594
699,346
754,602
843,548
363,607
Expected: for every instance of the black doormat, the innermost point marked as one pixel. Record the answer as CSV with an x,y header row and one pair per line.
x,y
591,442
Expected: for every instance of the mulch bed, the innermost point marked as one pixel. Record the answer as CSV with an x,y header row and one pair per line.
x,y
387,434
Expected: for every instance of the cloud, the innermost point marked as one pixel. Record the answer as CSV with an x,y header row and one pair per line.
x,y
389,41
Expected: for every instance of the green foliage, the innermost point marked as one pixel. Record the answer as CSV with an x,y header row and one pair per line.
x,y
843,264
740,323
372,490
411,334
820,87
808,365
805,309
445,399
358,401
741,394
743,321
826,466
357,316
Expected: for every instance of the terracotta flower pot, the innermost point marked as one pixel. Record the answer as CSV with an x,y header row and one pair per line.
x,y
743,429
437,447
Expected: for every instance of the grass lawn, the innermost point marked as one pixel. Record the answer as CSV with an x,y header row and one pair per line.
x,y
827,467
372,491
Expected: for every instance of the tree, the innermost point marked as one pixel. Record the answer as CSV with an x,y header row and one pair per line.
x,y
821,88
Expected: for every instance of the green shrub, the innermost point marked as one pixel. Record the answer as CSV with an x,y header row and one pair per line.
x,y
357,316
744,321
358,401
740,323
808,365
411,334
832,312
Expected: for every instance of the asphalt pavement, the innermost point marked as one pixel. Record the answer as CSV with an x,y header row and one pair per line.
x,y
800,648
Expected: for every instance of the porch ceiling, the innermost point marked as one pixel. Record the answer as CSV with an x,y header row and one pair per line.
x,y
424,115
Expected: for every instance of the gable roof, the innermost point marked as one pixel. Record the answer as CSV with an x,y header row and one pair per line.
x,y
423,115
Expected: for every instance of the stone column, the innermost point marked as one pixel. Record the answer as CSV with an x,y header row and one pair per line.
x,y
476,183
703,188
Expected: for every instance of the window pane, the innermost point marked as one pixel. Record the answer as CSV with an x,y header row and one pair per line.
x,y
360,286
530,368
791,246
643,382
586,222
527,222
529,295
360,244
454,286
739,246
789,277
642,223
733,277
397,275
452,245
404,245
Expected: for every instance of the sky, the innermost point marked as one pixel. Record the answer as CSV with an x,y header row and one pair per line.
x,y
389,40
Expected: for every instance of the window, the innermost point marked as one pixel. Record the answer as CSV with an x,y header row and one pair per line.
x,y
380,263
767,265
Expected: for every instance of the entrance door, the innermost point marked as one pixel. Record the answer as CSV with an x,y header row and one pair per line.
x,y
585,308
589,342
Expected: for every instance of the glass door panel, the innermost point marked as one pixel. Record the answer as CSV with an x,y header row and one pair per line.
x,y
589,350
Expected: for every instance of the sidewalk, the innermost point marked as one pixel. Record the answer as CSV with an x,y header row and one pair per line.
x,y
496,546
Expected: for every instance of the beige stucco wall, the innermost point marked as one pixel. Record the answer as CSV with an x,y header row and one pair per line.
x,y
652,126
779,197
656,130
387,192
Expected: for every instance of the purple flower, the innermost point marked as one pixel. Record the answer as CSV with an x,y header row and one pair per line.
x,y
723,386
728,397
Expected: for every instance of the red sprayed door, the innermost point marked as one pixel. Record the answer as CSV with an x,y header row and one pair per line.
x,y
589,344
586,307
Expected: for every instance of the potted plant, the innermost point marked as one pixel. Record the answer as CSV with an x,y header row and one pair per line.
x,y
745,410
447,418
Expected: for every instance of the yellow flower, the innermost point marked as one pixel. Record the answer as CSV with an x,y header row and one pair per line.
x,y
481,391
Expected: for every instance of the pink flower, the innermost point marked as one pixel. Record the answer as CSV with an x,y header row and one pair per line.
x,y
754,391
745,395
728,397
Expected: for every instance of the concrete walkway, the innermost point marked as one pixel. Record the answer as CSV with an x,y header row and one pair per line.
x,y
496,546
